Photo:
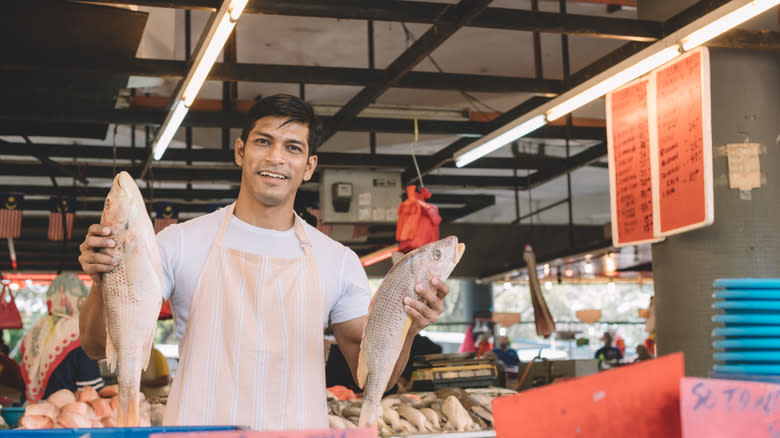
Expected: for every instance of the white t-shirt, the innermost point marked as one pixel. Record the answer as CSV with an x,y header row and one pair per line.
x,y
184,248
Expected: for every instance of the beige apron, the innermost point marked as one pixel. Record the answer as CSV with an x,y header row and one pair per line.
x,y
252,353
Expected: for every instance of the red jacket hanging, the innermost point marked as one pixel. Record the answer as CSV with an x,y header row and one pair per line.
x,y
418,221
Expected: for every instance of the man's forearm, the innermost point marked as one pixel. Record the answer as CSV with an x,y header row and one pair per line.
x,y
92,323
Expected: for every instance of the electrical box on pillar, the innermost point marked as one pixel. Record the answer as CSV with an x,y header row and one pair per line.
x,y
418,220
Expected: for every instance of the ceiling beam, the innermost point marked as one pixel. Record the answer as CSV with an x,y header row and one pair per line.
x,y
326,159
445,155
233,176
288,74
426,12
219,119
451,19
584,158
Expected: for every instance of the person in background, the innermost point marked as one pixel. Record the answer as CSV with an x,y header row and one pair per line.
x,y
642,353
52,357
11,382
507,355
4,348
483,344
608,352
500,370
421,346
156,377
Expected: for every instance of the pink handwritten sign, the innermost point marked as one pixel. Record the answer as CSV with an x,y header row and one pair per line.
x,y
729,408
363,432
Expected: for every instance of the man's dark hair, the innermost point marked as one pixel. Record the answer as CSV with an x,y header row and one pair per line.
x,y
292,107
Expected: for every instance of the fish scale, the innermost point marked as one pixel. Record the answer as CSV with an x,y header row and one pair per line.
x,y
132,292
387,324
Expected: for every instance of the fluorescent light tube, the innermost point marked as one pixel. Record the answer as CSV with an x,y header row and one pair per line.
x,y
491,144
613,82
206,62
726,22
216,35
171,124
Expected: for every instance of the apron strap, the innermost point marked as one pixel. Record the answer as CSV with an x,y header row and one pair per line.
x,y
300,233
225,222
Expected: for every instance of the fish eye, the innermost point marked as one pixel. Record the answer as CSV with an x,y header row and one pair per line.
x,y
436,254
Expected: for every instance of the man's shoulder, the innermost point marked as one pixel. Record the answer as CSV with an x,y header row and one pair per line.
x,y
322,242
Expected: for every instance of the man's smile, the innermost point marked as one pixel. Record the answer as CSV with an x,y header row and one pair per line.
x,y
271,174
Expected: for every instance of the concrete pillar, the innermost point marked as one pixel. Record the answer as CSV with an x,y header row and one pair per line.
x,y
744,241
476,298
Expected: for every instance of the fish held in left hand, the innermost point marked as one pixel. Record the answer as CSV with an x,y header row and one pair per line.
x,y
132,292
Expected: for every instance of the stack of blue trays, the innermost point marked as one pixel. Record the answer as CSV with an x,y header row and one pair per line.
x,y
747,339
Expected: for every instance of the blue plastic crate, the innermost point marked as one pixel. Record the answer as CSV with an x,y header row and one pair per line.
x,y
112,432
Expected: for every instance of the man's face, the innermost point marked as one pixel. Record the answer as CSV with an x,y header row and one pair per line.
x,y
275,160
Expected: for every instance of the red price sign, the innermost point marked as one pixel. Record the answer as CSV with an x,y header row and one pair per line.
x,y
682,164
630,172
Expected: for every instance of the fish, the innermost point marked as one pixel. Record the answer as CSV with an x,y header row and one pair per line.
x,y
456,414
432,417
36,422
387,324
415,417
43,408
132,292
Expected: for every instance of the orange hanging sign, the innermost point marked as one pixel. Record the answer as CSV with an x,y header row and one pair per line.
x,y
630,174
682,162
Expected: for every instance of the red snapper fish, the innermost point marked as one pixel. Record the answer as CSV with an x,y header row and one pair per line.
x,y
132,292
388,323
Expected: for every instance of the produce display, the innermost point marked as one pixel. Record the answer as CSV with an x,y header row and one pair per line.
x,y
445,410
85,408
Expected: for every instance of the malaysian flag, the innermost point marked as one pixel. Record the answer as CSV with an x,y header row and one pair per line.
x,y
58,207
11,215
166,213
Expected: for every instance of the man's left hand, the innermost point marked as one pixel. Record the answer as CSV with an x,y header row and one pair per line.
x,y
429,307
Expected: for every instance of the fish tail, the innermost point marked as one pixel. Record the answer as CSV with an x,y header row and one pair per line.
x,y
369,414
127,412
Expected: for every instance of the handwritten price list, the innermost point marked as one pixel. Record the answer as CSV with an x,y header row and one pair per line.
x,y
729,408
680,143
630,142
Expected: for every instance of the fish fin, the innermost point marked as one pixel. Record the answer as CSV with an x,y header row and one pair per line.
x,y
362,369
111,353
405,330
148,349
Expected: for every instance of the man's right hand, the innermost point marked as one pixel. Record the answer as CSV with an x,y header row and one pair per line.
x,y
92,261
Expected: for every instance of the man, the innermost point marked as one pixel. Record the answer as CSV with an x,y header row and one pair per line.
x,y
252,287
608,353
507,356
